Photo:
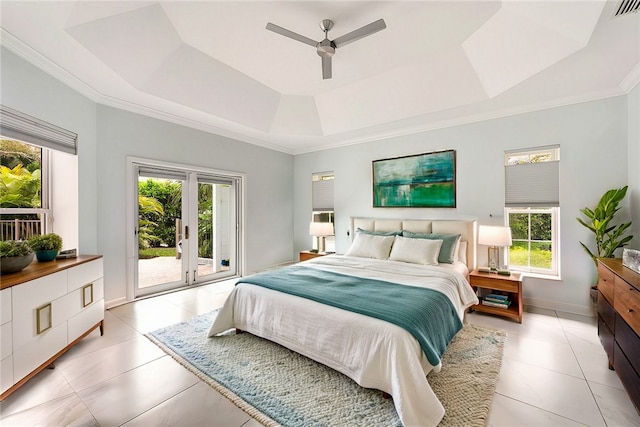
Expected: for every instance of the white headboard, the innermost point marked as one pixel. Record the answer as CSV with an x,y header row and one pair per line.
x,y
467,228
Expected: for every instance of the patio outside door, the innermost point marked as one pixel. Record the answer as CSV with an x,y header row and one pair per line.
x,y
187,228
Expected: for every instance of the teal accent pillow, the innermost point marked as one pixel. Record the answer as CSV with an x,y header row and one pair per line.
x,y
449,243
379,233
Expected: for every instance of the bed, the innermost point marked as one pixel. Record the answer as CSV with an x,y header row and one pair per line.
x,y
373,350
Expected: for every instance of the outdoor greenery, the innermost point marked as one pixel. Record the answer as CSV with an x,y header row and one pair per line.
x,y
159,205
20,178
534,227
168,194
13,248
156,252
19,188
607,237
148,208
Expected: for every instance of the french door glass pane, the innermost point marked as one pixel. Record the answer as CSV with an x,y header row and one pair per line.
x,y
214,227
159,236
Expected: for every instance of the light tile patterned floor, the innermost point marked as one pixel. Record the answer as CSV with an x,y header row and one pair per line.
x,y
554,374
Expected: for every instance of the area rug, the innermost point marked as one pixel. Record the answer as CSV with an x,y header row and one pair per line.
x,y
279,387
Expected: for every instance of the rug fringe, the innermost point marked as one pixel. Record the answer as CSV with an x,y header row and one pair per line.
x,y
234,398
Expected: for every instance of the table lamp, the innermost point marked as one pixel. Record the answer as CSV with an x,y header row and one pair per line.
x,y
320,230
495,237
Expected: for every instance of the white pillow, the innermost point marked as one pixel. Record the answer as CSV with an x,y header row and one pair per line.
x,y
461,252
416,251
371,246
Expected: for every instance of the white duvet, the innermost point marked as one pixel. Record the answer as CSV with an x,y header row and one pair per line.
x,y
374,353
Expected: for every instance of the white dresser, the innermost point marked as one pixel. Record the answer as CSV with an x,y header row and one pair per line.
x,y
46,309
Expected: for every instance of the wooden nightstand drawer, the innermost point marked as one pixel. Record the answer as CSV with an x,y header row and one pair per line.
x,y
494,281
306,255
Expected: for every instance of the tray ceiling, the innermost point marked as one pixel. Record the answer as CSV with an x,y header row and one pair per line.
x,y
213,65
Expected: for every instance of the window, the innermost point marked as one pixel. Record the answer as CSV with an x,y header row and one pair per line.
x,y
532,209
31,185
24,201
322,204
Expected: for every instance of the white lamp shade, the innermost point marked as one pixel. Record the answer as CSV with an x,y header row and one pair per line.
x,y
321,229
491,235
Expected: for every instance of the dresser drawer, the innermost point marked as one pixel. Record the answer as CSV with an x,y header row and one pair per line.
x,y
629,377
606,338
627,303
606,311
5,306
606,282
629,342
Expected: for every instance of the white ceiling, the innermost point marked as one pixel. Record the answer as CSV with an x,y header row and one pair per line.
x,y
213,65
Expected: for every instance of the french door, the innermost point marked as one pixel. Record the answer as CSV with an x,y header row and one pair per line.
x,y
187,228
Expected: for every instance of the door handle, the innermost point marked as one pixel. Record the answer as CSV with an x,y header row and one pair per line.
x,y
186,231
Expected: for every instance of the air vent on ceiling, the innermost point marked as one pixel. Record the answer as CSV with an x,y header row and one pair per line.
x,y
626,7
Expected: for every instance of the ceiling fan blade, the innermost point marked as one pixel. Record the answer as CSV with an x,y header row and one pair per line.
x,y
326,67
283,31
354,35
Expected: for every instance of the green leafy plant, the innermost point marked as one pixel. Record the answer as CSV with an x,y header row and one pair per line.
x,y
45,242
608,237
19,187
14,248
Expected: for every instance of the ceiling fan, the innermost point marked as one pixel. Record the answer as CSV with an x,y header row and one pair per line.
x,y
327,48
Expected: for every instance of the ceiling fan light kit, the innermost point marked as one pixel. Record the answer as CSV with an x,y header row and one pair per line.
x,y
327,48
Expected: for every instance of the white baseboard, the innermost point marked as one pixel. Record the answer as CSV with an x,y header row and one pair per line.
x,y
560,306
115,302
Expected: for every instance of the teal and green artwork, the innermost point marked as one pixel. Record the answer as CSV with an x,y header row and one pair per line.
x,y
423,180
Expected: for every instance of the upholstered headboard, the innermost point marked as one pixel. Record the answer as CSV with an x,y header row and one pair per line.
x,y
466,228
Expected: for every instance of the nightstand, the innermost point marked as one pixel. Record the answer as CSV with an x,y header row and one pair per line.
x,y
305,255
509,285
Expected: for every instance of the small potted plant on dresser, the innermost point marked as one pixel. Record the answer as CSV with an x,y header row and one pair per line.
x,y
46,246
14,256
608,238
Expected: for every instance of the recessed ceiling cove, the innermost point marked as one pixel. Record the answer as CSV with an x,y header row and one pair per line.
x,y
215,66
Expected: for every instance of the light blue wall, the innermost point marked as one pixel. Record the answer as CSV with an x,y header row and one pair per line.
x,y
106,136
600,148
594,149
268,187
634,162
26,88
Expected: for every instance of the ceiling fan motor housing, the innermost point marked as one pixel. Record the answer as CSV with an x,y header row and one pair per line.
x,y
326,48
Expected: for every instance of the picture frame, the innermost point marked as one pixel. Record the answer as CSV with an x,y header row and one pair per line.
x,y
426,180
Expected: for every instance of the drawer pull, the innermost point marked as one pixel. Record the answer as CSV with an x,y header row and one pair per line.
x,y
43,318
630,310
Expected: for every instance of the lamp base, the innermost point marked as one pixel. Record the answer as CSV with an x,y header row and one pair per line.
x,y
493,256
321,245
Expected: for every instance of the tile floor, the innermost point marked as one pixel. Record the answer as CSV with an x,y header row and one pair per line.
x,y
554,373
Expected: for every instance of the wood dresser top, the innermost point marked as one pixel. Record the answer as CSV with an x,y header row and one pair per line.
x,y
615,265
37,269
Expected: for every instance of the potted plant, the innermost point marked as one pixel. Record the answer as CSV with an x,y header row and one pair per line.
x,y
14,256
46,246
608,237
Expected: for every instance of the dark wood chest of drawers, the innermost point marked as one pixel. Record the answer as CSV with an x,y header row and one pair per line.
x,y
619,322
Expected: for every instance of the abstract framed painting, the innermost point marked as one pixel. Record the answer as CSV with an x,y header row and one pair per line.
x,y
425,180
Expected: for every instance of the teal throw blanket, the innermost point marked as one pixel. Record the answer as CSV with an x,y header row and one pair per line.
x,y
425,313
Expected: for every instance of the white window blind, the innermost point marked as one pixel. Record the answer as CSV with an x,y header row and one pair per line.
x,y
161,173
23,127
210,179
322,194
534,184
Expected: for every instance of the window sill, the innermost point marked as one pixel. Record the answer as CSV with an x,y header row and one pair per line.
x,y
524,274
